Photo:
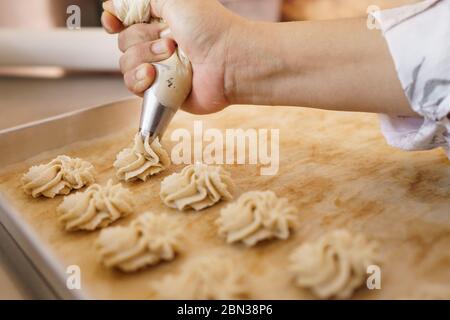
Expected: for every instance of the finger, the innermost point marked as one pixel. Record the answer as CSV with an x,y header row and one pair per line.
x,y
166,33
146,52
111,23
139,33
140,79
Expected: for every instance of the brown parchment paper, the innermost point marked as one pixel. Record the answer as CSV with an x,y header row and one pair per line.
x,y
335,167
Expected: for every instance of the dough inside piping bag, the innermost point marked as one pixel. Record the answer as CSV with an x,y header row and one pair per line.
x,y
97,207
334,265
142,160
197,186
207,277
256,216
58,177
148,240
132,11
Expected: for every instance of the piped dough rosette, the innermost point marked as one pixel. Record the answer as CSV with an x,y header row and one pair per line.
x,y
334,265
256,216
148,240
197,186
58,177
142,160
206,277
96,207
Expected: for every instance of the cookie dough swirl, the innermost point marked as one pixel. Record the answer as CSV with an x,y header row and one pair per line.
x,y
97,207
334,265
60,176
197,186
206,277
256,216
148,240
142,160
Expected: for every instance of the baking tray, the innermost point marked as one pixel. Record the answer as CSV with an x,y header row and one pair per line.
x,y
336,168
41,273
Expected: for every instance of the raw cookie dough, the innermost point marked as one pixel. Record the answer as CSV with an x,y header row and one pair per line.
x,y
197,186
256,216
142,160
97,207
57,177
334,265
148,240
206,277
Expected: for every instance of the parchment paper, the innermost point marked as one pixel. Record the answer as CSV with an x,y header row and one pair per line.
x,y
335,167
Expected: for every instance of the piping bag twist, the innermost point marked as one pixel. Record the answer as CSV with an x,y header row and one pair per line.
x,y
173,81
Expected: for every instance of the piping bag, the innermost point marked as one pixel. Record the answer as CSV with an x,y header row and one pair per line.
x,y
173,81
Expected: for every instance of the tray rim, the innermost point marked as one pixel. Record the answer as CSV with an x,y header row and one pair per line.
x,y
42,260
63,116
28,242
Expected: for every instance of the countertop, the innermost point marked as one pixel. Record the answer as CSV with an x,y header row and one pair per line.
x,y
25,100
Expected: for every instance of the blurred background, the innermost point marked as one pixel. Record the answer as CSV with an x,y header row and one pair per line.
x,y
35,39
52,13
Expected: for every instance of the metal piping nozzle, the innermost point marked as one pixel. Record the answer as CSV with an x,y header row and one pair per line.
x,y
155,117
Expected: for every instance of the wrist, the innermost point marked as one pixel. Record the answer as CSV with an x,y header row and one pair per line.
x,y
246,64
236,53
257,64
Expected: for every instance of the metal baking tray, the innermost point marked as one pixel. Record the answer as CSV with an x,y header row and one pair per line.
x,y
39,271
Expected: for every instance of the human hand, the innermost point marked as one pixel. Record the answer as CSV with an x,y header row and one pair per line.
x,y
206,32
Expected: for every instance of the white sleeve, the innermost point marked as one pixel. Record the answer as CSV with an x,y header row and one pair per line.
x,y
418,37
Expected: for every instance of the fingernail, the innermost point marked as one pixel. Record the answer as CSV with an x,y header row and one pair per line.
x,y
141,73
159,47
165,33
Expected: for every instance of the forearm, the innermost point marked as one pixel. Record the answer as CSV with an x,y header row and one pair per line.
x,y
338,65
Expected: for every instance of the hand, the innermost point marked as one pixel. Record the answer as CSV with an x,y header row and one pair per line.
x,y
338,65
204,30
